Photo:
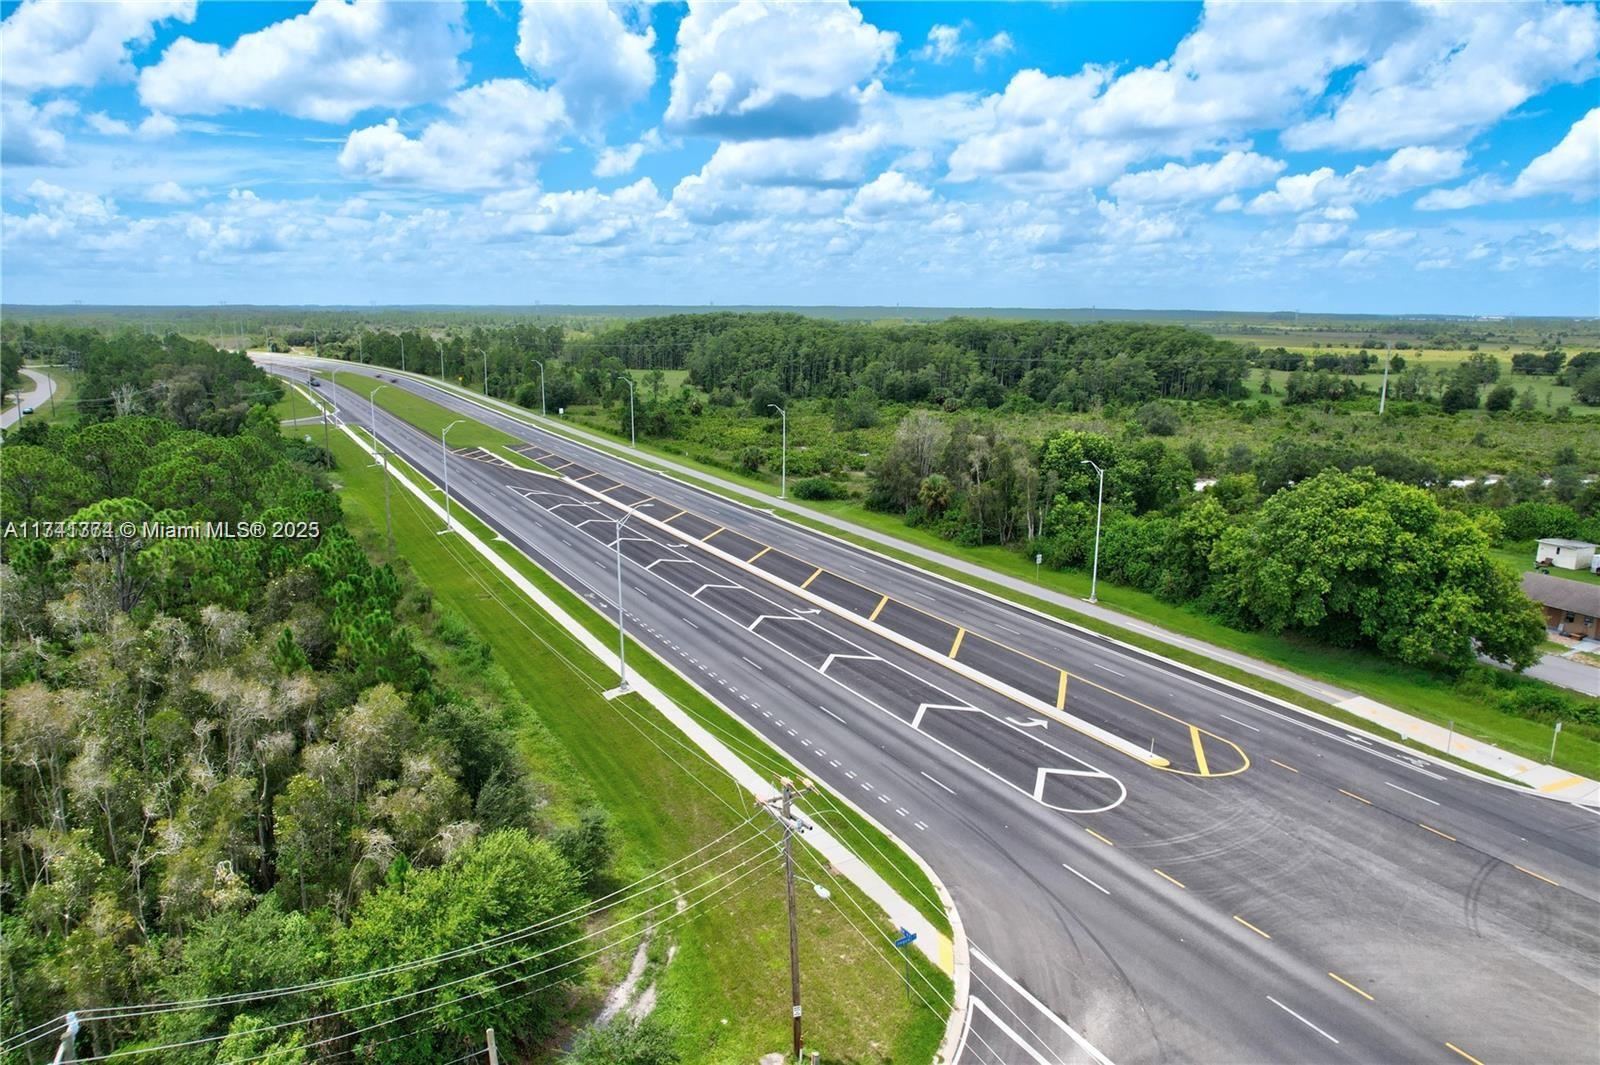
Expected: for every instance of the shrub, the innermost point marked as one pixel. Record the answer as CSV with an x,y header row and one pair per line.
x,y
816,488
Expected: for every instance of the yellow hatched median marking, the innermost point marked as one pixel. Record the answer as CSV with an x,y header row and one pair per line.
x,y
879,608
586,476
1252,927
1061,692
1535,875
1169,878
1352,987
1464,1054
675,517
1199,752
961,634
758,554
713,532
813,577
1436,832
1099,837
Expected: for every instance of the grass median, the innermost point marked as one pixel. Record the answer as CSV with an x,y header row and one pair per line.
x,y
726,988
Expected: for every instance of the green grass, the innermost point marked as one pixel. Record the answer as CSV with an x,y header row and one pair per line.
x,y
732,957
881,854
1518,557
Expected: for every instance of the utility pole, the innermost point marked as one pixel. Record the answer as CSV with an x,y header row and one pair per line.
x,y
444,451
494,1051
627,379
542,412
783,470
790,826
68,1050
1094,578
1383,397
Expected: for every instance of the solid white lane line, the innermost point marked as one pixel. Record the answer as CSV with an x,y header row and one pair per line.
x,y
1236,721
1085,879
1108,669
830,713
941,783
1032,1000
1413,794
1302,1020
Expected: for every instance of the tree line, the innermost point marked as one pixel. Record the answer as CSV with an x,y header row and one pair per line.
x,y
230,765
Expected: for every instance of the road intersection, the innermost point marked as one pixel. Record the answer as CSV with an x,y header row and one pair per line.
x,y
1153,861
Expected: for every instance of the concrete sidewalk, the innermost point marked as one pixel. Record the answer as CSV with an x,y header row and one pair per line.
x,y
949,953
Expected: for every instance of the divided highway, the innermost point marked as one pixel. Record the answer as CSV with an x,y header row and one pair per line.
x,y
1158,864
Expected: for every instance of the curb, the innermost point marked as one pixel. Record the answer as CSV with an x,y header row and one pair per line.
x,y
865,879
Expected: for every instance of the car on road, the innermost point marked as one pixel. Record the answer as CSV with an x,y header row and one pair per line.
x,y
27,410
315,383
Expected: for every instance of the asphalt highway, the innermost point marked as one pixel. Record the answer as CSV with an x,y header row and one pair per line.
x,y
1146,859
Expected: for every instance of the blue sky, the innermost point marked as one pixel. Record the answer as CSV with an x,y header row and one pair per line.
x,y
1354,157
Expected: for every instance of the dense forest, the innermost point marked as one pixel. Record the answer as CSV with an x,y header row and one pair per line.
x,y
228,765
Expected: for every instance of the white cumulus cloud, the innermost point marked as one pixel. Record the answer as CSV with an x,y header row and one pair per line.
x,y
50,45
493,136
761,69
587,51
890,193
329,64
1454,69
28,134
1178,183
1571,168
1409,168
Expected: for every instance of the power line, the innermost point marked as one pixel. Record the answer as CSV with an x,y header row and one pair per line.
x,y
743,863
108,1013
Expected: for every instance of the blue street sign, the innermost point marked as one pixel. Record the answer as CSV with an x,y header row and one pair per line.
x,y
907,937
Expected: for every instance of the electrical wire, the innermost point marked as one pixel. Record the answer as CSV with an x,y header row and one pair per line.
x,y
753,863
633,890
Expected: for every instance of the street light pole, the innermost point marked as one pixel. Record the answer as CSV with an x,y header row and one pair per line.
x,y
1383,397
402,353
1094,579
444,451
485,355
372,415
542,412
622,636
633,439
783,474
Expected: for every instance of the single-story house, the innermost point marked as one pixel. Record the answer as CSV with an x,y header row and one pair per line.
x,y
1570,607
1564,554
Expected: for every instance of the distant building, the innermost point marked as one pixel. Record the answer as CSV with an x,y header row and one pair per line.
x,y
1570,607
1564,554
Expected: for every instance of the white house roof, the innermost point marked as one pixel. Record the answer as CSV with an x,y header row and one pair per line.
x,y
1557,542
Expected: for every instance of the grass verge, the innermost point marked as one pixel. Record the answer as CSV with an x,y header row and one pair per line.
x,y
725,990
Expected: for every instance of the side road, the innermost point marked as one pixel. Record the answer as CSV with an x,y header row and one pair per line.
x,y
949,953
